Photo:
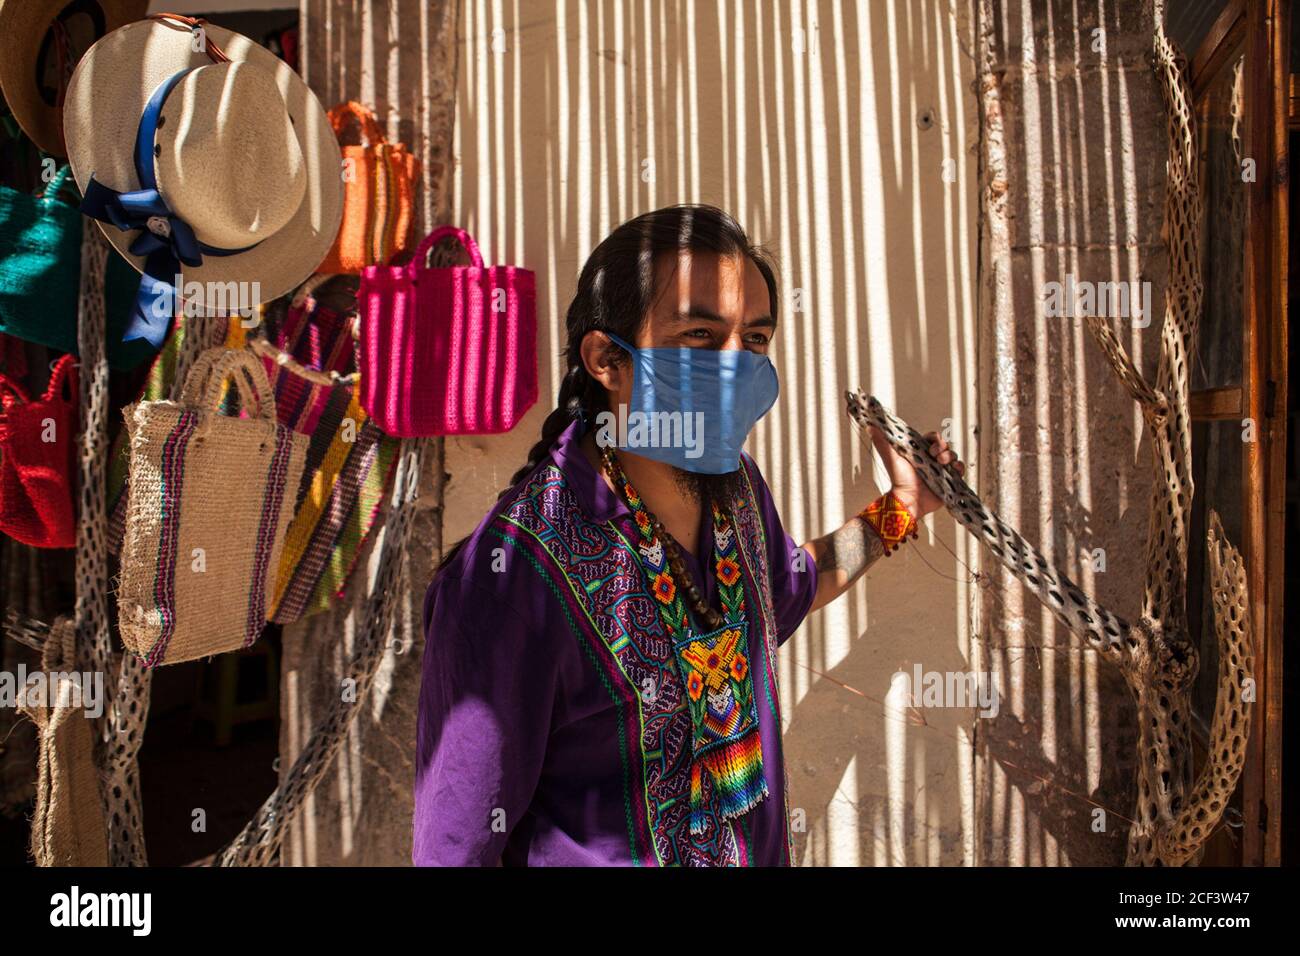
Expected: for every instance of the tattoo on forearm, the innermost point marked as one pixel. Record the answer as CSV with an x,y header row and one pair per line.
x,y
851,549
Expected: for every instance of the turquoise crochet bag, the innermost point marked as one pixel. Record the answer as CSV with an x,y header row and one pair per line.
x,y
40,270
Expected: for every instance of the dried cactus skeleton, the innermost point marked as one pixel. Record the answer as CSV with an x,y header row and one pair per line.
x,y
1154,652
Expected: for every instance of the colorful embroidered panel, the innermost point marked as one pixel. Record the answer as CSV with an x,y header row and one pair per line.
x,y
753,538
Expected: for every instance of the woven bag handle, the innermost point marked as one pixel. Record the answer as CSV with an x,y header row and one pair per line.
x,y
214,366
308,289
268,350
58,375
367,122
466,240
250,378
60,649
200,368
195,385
15,390
12,392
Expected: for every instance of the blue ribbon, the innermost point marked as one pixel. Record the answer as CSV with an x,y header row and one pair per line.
x,y
165,240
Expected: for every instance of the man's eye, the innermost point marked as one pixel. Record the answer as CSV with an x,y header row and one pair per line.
x,y
758,338
698,334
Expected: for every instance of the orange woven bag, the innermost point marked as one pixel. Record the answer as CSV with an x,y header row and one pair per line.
x,y
379,180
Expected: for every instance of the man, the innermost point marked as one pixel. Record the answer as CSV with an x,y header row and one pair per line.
x,y
599,681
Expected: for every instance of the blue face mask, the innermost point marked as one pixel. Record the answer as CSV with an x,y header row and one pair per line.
x,y
691,407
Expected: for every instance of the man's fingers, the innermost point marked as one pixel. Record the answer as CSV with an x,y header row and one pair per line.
x,y
945,455
883,448
939,449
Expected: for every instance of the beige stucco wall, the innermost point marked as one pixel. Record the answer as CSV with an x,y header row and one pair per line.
x,y
844,137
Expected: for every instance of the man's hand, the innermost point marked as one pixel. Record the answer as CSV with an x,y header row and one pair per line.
x,y
843,555
908,487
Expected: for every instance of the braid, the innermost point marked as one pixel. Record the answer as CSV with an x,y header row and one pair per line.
x,y
576,398
570,404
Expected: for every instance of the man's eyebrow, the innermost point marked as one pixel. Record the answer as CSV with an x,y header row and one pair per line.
x,y
699,312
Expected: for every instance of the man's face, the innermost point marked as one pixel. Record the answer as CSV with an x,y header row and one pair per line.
x,y
708,301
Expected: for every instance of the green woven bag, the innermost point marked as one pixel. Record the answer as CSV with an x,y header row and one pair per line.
x,y
40,269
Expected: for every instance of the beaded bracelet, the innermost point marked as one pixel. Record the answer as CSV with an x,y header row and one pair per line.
x,y
890,519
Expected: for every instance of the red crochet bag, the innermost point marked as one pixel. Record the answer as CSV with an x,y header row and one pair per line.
x,y
37,460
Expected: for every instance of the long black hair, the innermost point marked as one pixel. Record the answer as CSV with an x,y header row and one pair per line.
x,y
616,290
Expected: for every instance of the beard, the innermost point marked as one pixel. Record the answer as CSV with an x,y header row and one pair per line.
x,y
722,488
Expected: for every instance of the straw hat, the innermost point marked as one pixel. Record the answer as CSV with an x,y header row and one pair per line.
x,y
30,56
244,156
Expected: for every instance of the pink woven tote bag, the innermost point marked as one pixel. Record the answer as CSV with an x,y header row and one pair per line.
x,y
450,351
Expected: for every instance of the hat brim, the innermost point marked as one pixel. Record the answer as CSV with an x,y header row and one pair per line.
x,y
102,108
23,24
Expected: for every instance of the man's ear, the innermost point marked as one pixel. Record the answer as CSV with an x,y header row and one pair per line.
x,y
598,353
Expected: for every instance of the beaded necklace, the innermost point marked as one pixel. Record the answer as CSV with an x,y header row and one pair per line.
x,y
714,666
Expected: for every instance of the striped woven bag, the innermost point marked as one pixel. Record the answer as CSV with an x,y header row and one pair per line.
x,y
378,196
310,363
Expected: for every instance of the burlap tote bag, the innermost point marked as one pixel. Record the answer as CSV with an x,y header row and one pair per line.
x,y
68,827
209,498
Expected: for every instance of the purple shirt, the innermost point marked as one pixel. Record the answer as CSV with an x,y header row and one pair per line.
x,y
531,737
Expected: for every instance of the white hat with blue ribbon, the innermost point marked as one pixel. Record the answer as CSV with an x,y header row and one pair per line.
x,y
204,157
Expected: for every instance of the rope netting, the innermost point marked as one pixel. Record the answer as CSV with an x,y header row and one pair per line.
x,y
126,681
